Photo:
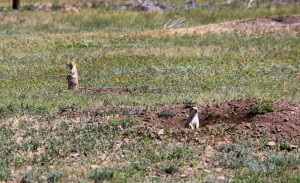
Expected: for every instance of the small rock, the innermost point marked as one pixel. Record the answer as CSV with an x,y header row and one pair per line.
x,y
95,166
207,171
271,144
207,160
219,169
294,146
208,148
285,120
43,179
119,144
183,176
73,9
202,141
120,127
278,129
19,139
248,125
216,164
221,178
74,155
161,132
29,168
205,164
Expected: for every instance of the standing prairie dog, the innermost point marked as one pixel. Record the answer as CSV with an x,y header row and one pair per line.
x,y
72,76
192,118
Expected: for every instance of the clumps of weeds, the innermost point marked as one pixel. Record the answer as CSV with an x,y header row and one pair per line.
x,y
168,167
124,123
14,109
32,144
29,7
112,112
140,165
278,19
4,175
180,152
67,107
131,173
219,121
54,176
165,113
27,176
61,44
250,156
261,108
100,175
235,155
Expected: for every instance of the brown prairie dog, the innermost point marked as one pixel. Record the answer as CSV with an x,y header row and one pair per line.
x,y
72,76
192,118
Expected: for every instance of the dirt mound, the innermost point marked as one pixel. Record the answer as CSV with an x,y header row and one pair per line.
x,y
283,124
290,23
230,118
235,111
268,23
117,90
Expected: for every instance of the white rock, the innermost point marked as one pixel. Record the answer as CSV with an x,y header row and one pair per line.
x,y
183,176
221,178
207,171
271,144
219,169
161,132
294,146
95,166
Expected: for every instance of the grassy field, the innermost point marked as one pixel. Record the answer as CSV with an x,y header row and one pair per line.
x,y
109,3
110,50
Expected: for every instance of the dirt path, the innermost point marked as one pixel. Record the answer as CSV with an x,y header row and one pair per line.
x,y
290,23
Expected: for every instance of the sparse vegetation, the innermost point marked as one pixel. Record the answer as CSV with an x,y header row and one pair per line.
x,y
166,113
100,175
45,138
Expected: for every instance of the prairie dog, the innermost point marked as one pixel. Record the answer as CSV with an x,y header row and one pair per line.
x,y
72,76
192,118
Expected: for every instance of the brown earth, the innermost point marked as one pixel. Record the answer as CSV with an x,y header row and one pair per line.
x,y
289,23
225,120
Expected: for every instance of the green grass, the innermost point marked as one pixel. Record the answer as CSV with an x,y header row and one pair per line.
x,y
113,3
260,108
111,51
126,21
219,67
52,148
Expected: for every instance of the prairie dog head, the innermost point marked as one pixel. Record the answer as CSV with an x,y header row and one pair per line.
x,y
193,111
71,64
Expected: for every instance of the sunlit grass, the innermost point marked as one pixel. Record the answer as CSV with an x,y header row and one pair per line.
x,y
110,51
60,21
219,67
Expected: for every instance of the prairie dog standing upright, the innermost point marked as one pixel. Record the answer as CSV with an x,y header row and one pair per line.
x,y
192,118
72,76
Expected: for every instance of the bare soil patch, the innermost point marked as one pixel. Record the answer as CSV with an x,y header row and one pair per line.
x,y
117,90
289,23
226,118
